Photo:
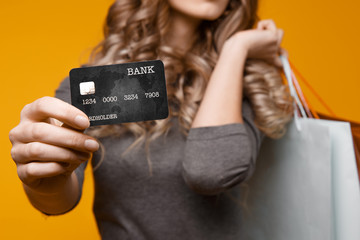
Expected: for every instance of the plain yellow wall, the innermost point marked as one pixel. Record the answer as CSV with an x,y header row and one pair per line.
x,y
42,40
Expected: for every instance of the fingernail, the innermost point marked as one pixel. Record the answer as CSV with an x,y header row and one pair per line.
x,y
82,121
91,145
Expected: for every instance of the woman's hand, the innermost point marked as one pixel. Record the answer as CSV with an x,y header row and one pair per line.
x,y
260,43
45,152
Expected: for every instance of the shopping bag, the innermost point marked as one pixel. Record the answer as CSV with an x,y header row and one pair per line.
x,y
355,131
310,111
305,185
345,184
289,195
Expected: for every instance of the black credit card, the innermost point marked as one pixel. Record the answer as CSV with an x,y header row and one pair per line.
x,y
118,93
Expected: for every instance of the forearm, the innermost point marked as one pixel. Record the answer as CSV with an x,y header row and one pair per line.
x,y
222,100
58,202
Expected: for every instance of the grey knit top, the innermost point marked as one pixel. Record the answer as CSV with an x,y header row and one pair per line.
x,y
193,192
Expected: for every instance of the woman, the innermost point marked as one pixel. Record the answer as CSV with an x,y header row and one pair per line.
x,y
172,178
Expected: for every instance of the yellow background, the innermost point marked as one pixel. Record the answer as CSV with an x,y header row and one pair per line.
x,y
42,40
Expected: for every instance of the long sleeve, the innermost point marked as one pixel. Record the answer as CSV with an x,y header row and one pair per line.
x,y
220,157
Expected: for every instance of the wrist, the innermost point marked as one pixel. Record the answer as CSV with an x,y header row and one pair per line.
x,y
236,45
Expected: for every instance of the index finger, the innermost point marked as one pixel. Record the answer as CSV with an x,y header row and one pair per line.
x,y
49,107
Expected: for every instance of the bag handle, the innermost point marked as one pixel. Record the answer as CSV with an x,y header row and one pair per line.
x,y
299,110
287,72
302,78
309,110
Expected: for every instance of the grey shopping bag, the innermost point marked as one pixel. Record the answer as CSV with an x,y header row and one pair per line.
x,y
305,186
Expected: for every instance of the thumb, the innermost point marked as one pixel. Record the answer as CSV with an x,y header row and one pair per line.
x,y
277,62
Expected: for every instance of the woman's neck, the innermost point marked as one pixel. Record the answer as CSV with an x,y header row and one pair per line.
x,y
182,31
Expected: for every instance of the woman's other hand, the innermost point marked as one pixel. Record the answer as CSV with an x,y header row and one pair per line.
x,y
260,43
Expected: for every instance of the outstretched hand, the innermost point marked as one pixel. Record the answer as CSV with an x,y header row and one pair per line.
x,y
45,152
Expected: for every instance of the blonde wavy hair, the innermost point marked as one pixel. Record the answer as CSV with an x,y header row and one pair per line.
x,y
134,31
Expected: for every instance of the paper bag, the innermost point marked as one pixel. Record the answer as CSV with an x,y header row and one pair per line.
x,y
305,186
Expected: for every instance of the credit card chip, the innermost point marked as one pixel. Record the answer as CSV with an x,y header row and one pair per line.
x,y
87,88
